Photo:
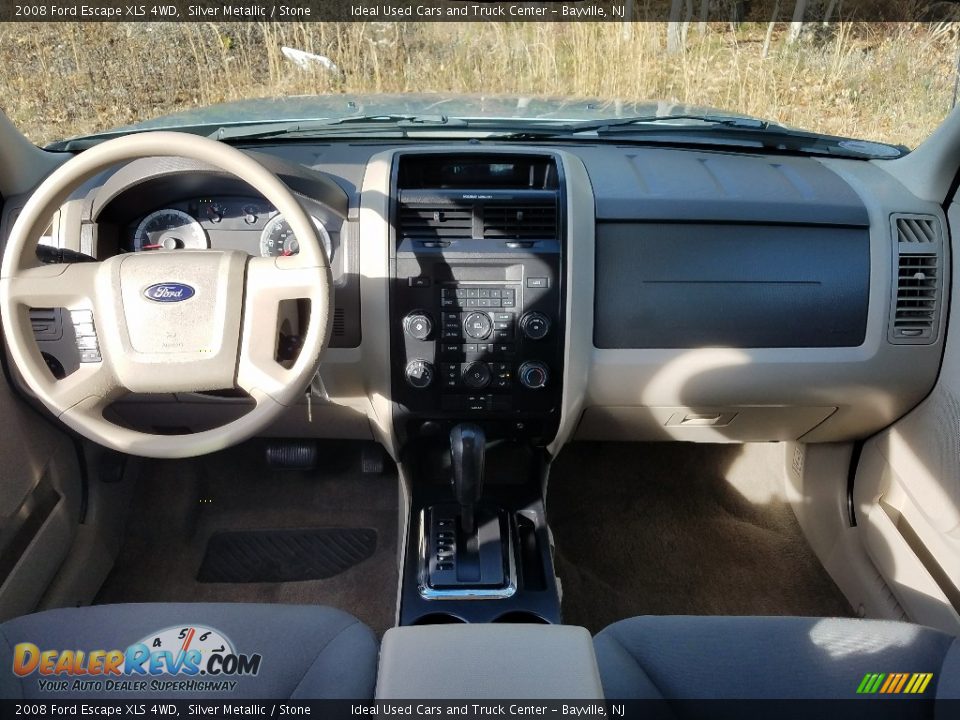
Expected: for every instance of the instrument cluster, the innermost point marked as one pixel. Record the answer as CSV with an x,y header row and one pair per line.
x,y
223,223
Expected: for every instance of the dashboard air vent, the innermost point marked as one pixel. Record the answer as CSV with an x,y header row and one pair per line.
x,y
530,221
917,229
435,223
339,322
918,283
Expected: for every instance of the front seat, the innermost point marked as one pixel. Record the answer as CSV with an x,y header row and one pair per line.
x,y
189,650
701,658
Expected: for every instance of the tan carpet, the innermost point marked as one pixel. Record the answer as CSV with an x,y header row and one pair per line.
x,y
680,528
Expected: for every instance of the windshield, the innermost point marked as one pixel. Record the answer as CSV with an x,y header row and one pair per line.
x,y
889,83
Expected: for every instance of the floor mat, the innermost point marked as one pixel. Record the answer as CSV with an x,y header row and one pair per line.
x,y
180,505
284,555
680,529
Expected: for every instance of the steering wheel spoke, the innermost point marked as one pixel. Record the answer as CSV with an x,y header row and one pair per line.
x,y
93,386
271,281
66,285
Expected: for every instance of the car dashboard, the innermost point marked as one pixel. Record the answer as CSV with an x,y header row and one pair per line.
x,y
552,292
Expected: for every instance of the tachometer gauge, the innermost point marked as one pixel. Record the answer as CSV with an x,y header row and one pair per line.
x,y
169,229
277,238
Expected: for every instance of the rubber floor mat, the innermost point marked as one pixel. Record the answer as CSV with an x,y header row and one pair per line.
x,y
254,556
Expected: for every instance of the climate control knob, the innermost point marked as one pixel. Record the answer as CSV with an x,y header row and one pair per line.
x,y
418,325
476,376
535,325
419,374
533,375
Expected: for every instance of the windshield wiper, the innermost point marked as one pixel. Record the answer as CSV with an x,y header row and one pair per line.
x,y
639,123
711,129
734,121
308,127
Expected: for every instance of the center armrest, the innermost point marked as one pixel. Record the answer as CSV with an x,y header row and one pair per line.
x,y
486,662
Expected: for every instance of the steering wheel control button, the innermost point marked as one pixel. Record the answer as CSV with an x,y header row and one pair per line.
x,y
533,375
418,325
88,345
477,326
419,374
535,326
477,375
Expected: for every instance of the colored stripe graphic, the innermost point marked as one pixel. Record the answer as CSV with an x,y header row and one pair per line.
x,y
894,683
892,680
914,680
903,680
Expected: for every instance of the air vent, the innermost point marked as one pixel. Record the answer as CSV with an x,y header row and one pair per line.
x,y
917,229
339,322
520,222
918,282
436,223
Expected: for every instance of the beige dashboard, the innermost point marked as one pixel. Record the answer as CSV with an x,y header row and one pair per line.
x,y
710,393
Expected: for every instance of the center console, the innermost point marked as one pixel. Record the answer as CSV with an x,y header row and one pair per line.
x,y
477,350
477,292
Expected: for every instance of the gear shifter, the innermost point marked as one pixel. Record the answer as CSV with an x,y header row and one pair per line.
x,y
467,445
467,544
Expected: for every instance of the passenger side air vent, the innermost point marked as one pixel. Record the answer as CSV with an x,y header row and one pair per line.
x,y
435,223
918,282
917,229
520,222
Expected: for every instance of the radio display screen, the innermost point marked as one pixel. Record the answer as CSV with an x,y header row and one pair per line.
x,y
497,172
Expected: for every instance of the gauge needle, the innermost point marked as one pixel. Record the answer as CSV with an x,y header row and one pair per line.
x,y
151,247
186,642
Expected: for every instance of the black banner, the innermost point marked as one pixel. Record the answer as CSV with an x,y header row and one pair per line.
x,y
475,11
873,708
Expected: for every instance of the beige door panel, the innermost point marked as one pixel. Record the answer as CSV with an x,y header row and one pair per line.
x,y
907,495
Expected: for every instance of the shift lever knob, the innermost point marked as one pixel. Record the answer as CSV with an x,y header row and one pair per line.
x,y
467,445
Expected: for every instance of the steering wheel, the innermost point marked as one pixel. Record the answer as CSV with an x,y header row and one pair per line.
x,y
166,321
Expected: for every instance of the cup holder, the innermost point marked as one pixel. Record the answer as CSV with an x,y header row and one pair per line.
x,y
521,616
438,618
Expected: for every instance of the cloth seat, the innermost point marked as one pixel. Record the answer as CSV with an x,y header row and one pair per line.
x,y
304,651
698,658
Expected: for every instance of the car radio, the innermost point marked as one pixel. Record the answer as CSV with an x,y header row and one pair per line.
x,y
477,299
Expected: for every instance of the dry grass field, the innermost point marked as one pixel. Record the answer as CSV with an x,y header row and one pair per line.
x,y
891,82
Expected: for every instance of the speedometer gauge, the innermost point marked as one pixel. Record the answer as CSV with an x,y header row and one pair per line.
x,y
169,229
277,238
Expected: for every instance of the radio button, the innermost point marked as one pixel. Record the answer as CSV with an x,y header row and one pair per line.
x,y
418,325
477,326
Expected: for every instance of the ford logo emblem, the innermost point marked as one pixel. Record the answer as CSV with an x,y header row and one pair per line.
x,y
169,292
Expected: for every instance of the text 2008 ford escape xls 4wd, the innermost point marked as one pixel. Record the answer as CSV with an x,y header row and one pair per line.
x,y
470,405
